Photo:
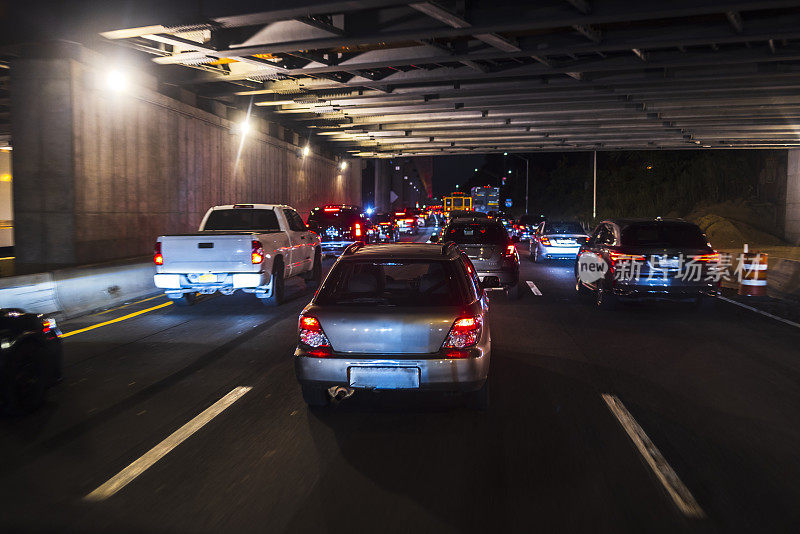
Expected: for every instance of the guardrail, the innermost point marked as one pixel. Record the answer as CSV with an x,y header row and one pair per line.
x,y
78,290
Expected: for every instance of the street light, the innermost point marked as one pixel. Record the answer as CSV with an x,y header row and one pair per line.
x,y
343,165
116,80
306,150
527,178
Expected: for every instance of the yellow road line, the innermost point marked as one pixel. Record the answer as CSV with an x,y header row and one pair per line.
x,y
118,319
126,305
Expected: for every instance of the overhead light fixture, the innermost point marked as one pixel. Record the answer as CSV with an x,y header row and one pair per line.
x,y
116,80
242,127
306,150
343,165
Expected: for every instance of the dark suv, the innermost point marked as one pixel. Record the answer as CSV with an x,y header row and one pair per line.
x,y
491,250
648,259
339,227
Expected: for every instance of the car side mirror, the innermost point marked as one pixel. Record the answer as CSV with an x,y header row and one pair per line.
x,y
434,238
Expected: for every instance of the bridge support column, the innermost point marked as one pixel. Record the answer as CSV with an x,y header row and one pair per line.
x,y
792,219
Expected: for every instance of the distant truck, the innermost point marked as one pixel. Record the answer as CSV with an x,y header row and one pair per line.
x,y
485,199
252,247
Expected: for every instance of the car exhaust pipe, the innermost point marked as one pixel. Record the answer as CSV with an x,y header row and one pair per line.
x,y
339,393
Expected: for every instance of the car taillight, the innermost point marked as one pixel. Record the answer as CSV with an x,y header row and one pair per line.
x,y
511,250
708,258
257,252
357,229
465,333
158,259
617,257
545,241
49,325
312,335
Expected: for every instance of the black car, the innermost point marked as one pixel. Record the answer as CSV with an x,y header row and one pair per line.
x,y
386,230
488,245
646,259
30,359
339,226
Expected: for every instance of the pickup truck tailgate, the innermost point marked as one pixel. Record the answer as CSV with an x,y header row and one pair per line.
x,y
208,253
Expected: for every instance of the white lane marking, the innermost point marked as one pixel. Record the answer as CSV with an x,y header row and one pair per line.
x,y
765,314
534,288
676,489
139,466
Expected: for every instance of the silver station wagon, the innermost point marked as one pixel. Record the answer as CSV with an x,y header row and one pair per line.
x,y
396,316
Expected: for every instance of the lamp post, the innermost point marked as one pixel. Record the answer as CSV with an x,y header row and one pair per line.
x,y
527,177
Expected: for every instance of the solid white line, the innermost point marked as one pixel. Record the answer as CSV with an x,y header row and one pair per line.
x,y
676,489
139,466
534,289
765,314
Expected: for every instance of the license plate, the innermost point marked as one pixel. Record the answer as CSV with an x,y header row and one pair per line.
x,y
206,278
384,377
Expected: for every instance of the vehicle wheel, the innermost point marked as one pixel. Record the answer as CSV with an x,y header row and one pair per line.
x,y
187,299
479,399
604,298
581,289
276,298
316,272
23,383
513,292
315,396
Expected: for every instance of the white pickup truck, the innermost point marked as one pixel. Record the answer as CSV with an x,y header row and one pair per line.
x,y
252,247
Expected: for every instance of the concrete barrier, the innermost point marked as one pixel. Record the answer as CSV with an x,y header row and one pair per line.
x,y
783,278
79,290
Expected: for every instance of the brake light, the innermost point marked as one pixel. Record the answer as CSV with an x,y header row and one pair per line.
x,y
511,250
257,253
312,335
545,241
465,332
331,210
48,325
708,258
619,256
399,213
357,229
158,259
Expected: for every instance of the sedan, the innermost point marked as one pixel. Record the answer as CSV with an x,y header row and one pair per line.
x,y
396,317
558,240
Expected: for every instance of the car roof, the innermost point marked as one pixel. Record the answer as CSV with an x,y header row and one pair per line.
x,y
636,220
250,206
426,251
474,220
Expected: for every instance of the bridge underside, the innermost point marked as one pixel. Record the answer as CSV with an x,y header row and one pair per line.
x,y
382,78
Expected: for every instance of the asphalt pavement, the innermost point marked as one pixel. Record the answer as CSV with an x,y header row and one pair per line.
x,y
650,418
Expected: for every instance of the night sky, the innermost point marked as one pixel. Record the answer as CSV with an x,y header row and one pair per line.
x,y
451,170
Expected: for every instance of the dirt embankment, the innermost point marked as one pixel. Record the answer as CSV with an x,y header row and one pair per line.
x,y
729,225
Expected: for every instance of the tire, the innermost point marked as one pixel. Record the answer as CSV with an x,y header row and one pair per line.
x,y
604,298
479,399
23,380
187,299
276,298
513,292
314,280
315,396
581,289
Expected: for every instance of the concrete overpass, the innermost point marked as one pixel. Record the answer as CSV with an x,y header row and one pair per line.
x,y
107,154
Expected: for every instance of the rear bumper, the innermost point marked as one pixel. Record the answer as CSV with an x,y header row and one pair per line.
x,y
507,277
467,374
659,289
552,252
179,283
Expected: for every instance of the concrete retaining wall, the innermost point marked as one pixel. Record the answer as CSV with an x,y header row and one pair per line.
x,y
77,291
783,278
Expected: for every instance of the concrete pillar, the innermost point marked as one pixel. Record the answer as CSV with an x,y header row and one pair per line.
x,y
42,134
382,186
792,220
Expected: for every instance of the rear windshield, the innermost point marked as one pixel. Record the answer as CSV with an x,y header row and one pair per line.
x,y
340,216
411,283
476,233
242,219
563,228
663,235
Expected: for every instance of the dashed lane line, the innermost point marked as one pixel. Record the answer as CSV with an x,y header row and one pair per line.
x,y
534,289
765,314
140,465
676,489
